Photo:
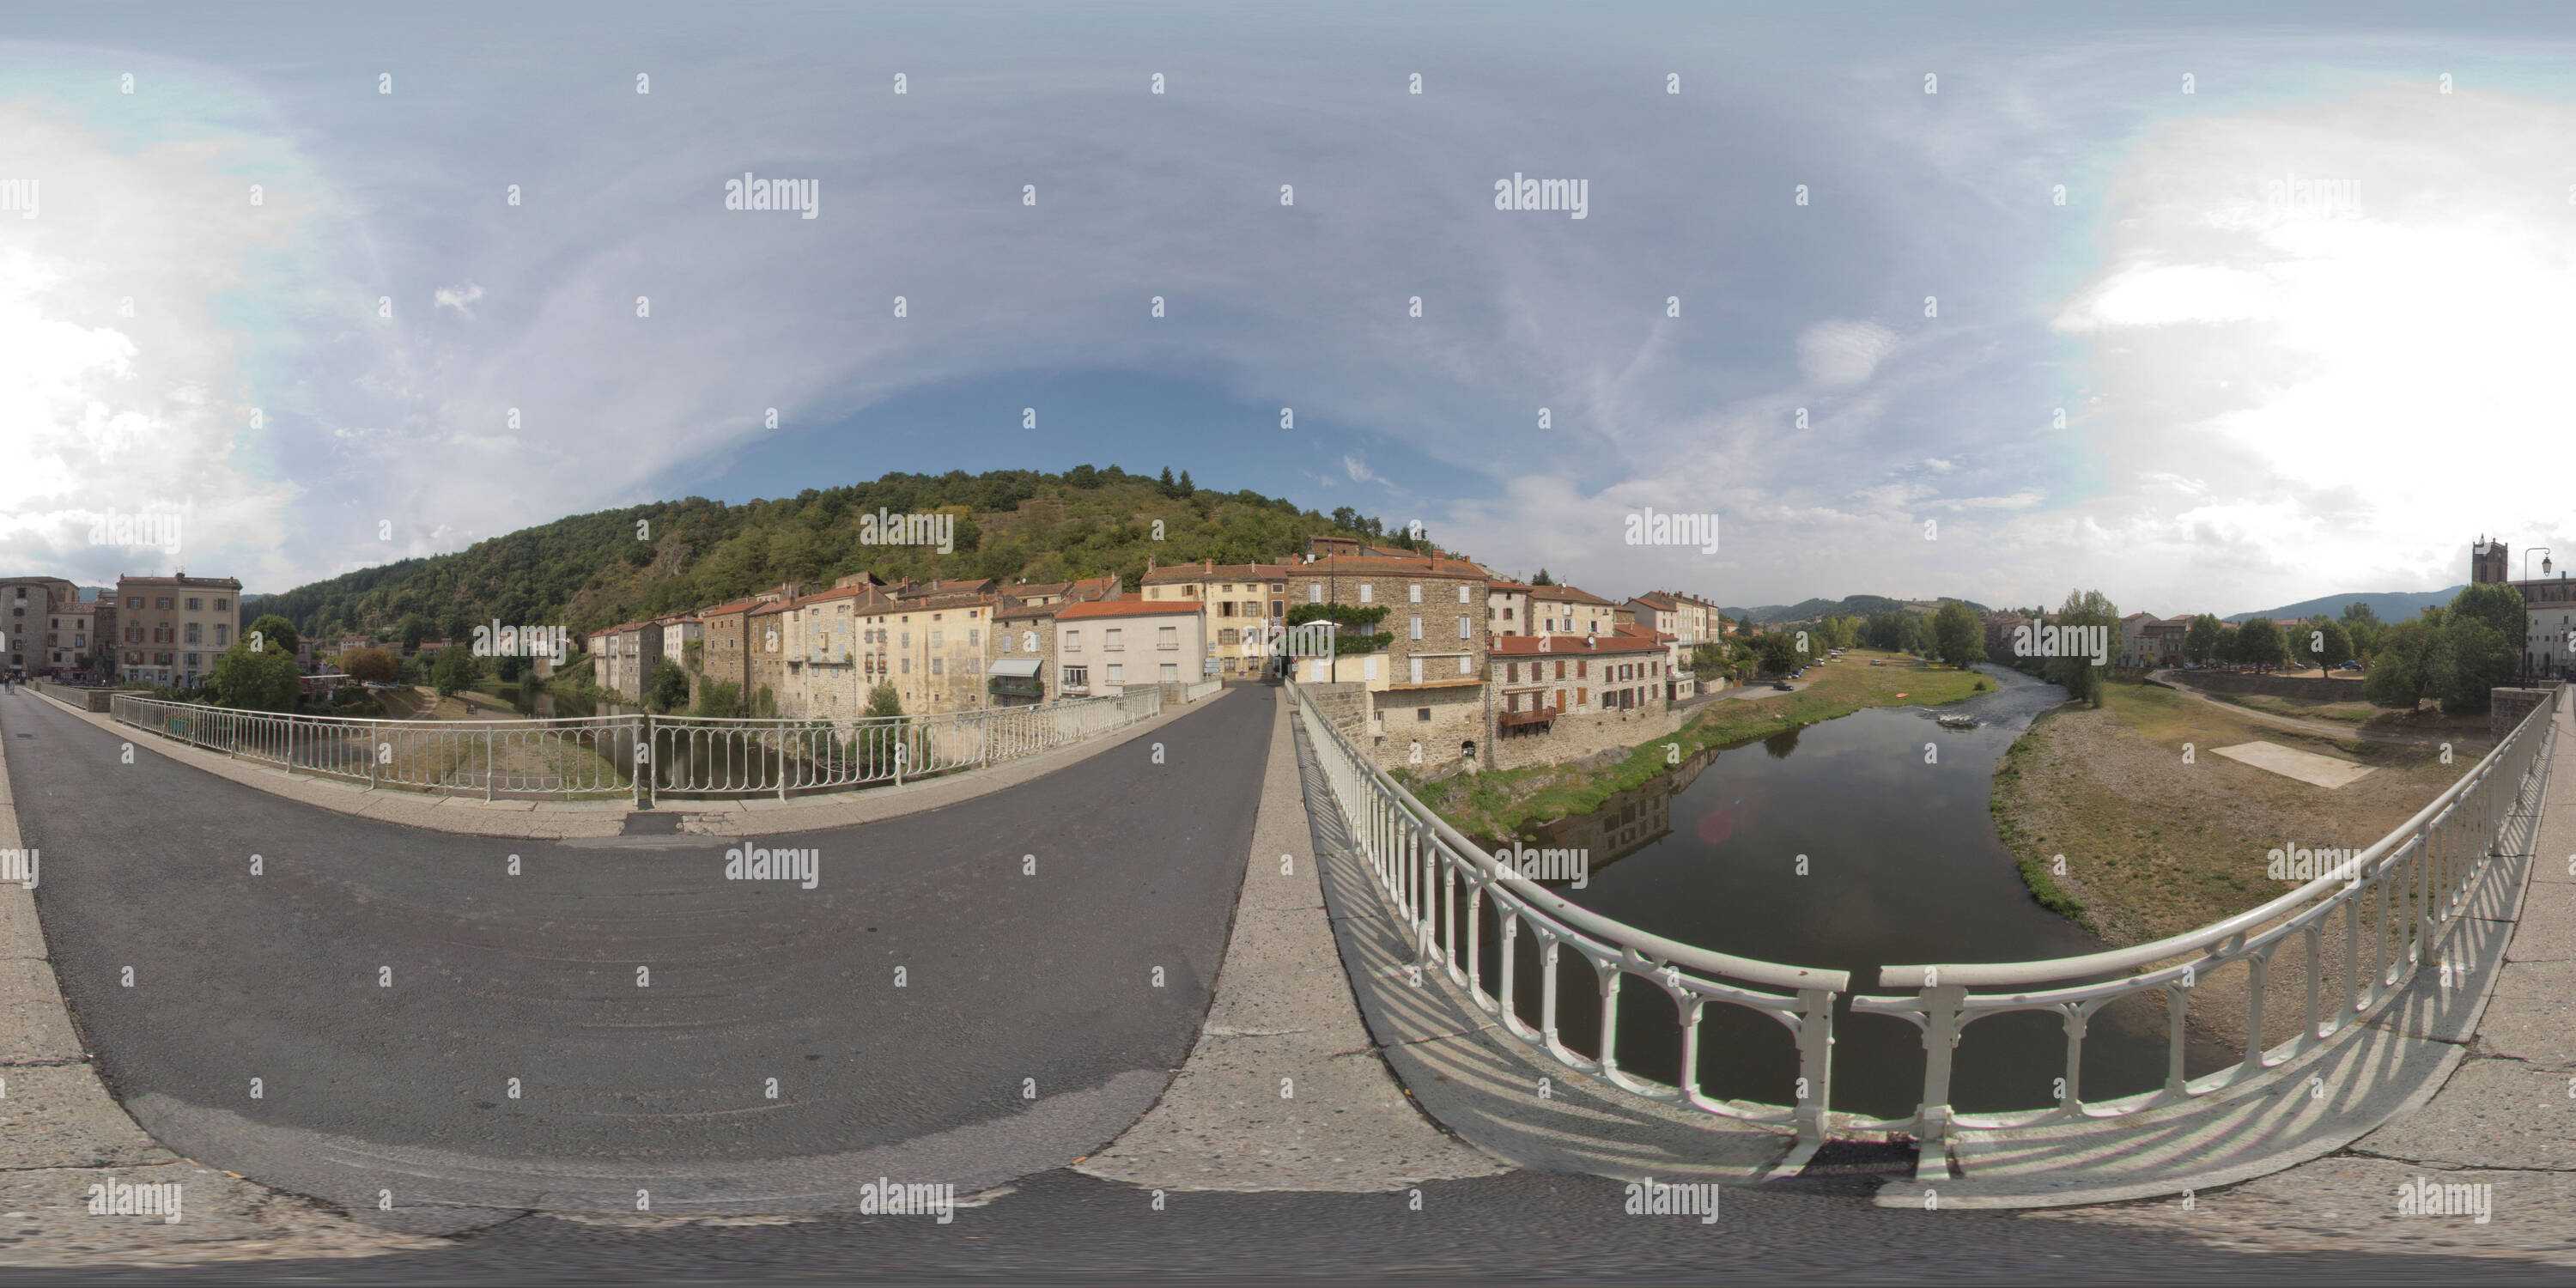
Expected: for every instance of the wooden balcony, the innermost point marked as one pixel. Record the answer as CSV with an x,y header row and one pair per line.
x,y
1517,719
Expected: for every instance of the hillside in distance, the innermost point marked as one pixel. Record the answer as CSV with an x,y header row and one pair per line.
x,y
590,571
2389,605
1808,610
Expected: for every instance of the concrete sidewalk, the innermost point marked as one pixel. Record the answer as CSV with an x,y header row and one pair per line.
x,y
760,816
60,1133
1284,1090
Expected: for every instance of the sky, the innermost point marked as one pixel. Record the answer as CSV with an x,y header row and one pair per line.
x,y
2208,313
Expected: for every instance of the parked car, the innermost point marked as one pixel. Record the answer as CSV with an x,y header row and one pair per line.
x,y
1782,684
2349,666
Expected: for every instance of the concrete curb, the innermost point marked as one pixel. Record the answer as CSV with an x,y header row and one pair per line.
x,y
1283,1018
538,819
61,1132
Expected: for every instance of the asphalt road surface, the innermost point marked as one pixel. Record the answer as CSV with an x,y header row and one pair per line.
x,y
384,985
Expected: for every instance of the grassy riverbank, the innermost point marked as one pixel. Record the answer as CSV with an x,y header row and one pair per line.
x,y
1496,803
2155,846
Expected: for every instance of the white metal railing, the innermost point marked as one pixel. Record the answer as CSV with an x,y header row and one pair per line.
x,y
1201,690
1423,865
638,755
2396,902
2410,890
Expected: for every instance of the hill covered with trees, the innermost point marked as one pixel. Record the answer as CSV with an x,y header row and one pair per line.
x,y
589,571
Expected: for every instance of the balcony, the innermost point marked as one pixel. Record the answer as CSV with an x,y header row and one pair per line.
x,y
1519,719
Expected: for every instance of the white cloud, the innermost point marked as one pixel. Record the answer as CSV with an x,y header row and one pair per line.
x,y
1842,351
457,298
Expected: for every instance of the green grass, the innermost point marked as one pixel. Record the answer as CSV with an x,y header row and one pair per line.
x,y
1497,802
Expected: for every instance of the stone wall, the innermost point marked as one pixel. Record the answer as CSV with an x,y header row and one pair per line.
x,y
2312,688
1576,736
1344,706
2509,706
1453,731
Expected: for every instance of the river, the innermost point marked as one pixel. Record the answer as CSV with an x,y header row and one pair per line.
x,y
1902,865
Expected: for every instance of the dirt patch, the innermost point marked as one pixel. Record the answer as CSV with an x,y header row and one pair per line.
x,y
2156,844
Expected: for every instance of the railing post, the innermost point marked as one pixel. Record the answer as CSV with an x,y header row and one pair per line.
x,y
487,764
1941,1003
640,766
1815,1062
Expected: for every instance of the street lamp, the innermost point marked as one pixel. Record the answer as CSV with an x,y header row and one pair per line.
x,y
2526,576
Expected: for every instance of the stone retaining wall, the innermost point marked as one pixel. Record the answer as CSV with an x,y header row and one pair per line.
x,y
2313,688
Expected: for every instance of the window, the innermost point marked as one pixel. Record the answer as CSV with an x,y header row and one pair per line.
x,y
163,602
192,659
192,634
1229,636
1414,592
907,666
1582,667
196,605
1368,593
1171,673
1422,715
1073,640
1109,641
135,603
975,637
1225,608
1416,627
222,604
1275,607
1227,588
936,635
1314,594
1117,673
1077,677
1466,665
223,634
1462,594
1462,627
937,666
1167,637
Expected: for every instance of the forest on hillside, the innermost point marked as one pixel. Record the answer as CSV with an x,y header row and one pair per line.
x,y
589,571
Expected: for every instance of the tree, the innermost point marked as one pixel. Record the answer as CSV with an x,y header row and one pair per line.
x,y
2497,605
508,666
668,688
1957,636
1169,487
719,698
1188,488
2321,643
1778,651
456,670
2259,643
2470,660
2077,674
2200,643
276,632
2364,627
884,701
369,665
256,679
415,628
1542,579
2402,669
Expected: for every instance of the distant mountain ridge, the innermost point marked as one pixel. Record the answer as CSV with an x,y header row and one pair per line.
x,y
1807,610
2390,605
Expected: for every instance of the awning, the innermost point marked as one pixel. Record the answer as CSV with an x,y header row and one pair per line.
x,y
1020,667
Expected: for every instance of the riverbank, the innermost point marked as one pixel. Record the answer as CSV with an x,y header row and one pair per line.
x,y
2155,846
1498,803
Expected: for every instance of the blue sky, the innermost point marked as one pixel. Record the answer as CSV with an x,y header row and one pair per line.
x,y
2293,317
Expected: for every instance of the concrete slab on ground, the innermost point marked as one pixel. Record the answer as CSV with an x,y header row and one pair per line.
x,y
2289,762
